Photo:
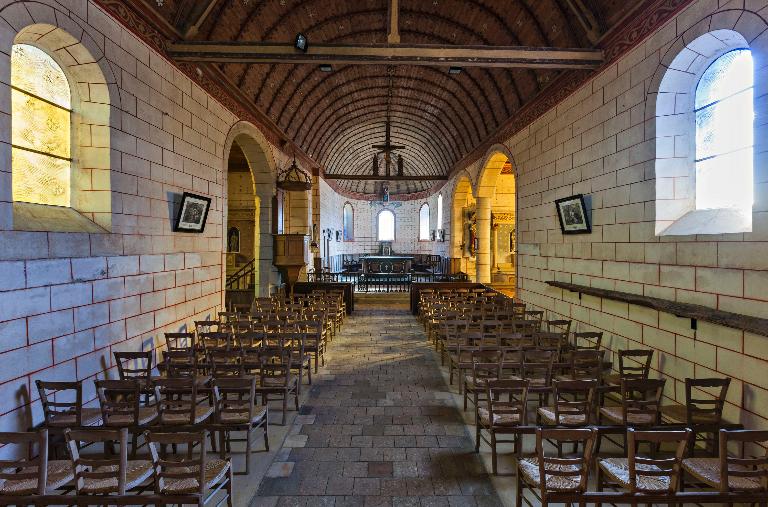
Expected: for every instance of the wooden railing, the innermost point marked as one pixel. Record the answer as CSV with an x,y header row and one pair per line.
x,y
243,278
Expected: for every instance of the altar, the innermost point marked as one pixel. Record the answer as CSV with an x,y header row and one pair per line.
x,y
386,264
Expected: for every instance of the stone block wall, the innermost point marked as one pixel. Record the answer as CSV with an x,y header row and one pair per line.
x,y
601,142
68,300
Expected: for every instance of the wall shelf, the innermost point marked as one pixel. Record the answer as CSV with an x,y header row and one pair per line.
x,y
746,323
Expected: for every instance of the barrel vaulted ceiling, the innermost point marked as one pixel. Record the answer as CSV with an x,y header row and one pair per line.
x,y
335,117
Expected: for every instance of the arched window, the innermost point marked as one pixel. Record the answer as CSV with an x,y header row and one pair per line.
x,y
725,115
424,222
440,211
41,128
348,222
386,225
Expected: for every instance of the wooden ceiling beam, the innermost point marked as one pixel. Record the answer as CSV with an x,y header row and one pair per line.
x,y
191,29
370,177
376,54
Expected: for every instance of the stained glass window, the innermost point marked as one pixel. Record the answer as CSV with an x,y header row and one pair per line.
x,y
725,133
348,224
424,222
41,128
386,225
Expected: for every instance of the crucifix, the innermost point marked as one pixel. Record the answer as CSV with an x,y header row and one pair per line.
x,y
387,148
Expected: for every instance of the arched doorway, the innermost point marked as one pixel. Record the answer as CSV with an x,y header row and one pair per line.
x,y
462,235
497,221
247,240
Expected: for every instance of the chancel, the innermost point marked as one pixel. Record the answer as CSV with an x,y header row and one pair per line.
x,y
391,252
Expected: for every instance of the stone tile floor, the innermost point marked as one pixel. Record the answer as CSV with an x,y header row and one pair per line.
x,y
379,425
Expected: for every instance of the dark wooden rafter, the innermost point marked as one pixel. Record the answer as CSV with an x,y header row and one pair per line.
x,y
498,100
369,177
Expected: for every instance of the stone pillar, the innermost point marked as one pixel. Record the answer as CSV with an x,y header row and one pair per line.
x,y
495,252
483,240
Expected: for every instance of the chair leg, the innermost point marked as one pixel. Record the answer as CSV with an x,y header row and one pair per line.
x,y
519,492
494,456
265,425
248,433
465,396
230,500
222,443
285,406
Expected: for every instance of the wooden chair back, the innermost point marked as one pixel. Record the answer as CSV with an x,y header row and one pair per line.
x,y
27,474
653,467
180,363
635,363
179,341
574,469
173,469
132,365
235,399
225,363
754,469
537,364
699,409
207,326
641,401
588,340
95,473
586,364
177,400
62,403
507,400
120,402
574,402
216,341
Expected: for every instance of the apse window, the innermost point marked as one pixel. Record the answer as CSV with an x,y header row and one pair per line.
x,y
41,128
424,222
724,109
386,225
348,222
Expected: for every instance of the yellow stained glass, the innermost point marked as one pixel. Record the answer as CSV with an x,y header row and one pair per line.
x,y
40,126
39,178
35,72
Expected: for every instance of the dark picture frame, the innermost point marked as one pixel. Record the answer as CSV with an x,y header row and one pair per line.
x,y
193,213
573,215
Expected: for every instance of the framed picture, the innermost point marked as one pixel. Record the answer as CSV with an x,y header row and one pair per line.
x,y
338,236
193,213
432,235
441,234
573,215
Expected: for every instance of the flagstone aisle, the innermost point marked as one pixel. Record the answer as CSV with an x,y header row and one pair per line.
x,y
379,426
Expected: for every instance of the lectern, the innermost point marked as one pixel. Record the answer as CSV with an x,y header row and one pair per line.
x,y
291,253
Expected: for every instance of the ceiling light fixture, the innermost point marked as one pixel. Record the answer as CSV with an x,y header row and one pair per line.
x,y
326,67
455,70
302,44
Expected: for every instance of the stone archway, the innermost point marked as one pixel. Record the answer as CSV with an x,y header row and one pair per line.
x,y
252,183
496,219
463,196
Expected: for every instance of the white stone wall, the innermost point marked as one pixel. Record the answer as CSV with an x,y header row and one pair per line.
x,y
601,142
365,224
68,300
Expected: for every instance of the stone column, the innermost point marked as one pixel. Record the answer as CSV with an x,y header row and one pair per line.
x,y
484,240
495,253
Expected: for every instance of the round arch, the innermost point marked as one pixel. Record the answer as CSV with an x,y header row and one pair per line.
x,y
258,154
462,195
490,169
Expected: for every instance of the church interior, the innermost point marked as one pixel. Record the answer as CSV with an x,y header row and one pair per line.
x,y
383,252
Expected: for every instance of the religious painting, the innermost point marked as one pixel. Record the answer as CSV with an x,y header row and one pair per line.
x,y
193,213
233,240
572,212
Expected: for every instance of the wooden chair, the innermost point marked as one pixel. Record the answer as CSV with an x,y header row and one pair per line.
x,y
728,473
486,366
180,405
121,407
236,410
588,340
566,476
105,474
180,363
225,363
640,475
207,326
633,364
179,341
573,406
640,404
276,379
704,415
500,416
30,472
138,366
177,477
314,344
63,408
537,368
585,364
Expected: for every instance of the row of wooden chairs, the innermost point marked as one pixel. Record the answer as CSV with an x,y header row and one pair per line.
x,y
109,477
